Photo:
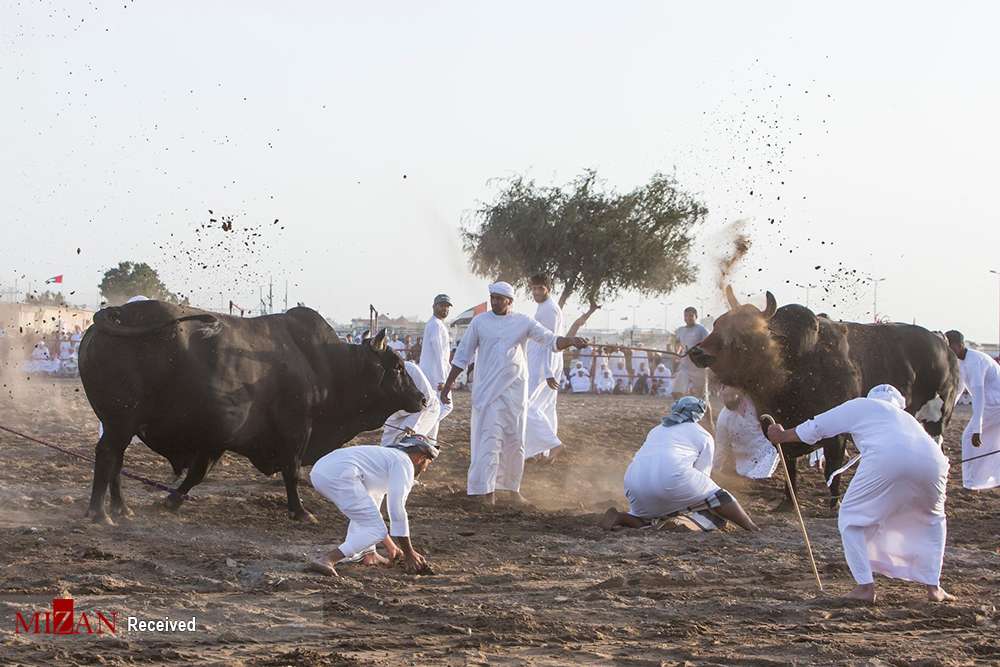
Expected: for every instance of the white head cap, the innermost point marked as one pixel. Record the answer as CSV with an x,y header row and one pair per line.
x,y
503,289
889,394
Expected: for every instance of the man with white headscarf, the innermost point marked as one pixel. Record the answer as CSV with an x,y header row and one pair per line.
x,y
738,435
670,473
980,375
605,384
496,340
544,366
892,518
402,423
662,377
435,354
580,381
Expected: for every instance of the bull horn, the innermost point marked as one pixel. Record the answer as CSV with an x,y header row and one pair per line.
x,y
772,306
731,298
378,342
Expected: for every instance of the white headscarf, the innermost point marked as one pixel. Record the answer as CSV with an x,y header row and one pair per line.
x,y
503,289
889,394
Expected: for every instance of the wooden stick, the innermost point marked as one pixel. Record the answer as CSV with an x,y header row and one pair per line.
x,y
795,503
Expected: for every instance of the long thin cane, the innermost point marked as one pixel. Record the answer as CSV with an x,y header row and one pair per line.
x,y
795,503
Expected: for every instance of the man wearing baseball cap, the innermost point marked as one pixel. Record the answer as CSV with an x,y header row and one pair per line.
x,y
496,340
435,354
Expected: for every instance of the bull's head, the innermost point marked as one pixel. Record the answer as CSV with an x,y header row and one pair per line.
x,y
387,385
740,349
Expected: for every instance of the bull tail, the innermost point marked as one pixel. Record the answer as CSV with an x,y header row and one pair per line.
x,y
106,321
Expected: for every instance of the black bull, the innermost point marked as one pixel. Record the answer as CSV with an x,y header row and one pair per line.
x,y
281,390
795,365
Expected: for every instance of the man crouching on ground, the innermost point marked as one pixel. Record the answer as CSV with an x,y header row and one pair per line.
x,y
356,479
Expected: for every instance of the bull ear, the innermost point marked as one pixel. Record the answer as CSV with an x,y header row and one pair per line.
x,y
378,342
731,298
772,306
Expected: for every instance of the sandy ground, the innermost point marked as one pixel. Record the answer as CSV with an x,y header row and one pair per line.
x,y
538,587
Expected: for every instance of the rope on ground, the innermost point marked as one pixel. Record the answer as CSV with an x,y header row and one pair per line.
x,y
139,478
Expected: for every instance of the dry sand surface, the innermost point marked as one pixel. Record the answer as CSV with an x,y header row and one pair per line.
x,y
538,587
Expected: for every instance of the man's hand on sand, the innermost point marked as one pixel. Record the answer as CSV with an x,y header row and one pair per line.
x,y
414,563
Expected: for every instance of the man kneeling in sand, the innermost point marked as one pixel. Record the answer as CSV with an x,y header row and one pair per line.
x,y
356,479
670,473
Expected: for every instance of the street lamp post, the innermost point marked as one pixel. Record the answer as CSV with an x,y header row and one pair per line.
x,y
875,282
806,287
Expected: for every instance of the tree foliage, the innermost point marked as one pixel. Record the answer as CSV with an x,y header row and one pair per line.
x,y
594,242
46,298
131,278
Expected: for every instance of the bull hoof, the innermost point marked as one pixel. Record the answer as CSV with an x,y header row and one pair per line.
x,y
122,512
173,502
303,516
99,518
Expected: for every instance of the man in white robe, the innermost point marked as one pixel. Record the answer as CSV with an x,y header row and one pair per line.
x,y
580,382
356,480
663,381
738,438
691,380
435,354
605,384
892,519
496,340
544,366
397,346
402,423
980,376
670,474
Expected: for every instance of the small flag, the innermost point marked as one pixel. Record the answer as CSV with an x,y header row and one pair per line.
x,y
55,279
466,315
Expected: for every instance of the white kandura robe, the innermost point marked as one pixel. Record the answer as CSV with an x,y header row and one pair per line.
x,y
738,433
356,479
980,374
690,380
662,373
499,396
541,434
435,355
670,472
605,384
892,517
580,382
421,422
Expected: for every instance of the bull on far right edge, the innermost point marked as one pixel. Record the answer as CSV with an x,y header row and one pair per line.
x,y
795,365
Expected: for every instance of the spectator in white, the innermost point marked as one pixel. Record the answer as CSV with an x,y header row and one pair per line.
x,y
980,375
586,357
605,383
435,354
620,372
662,376
356,480
65,347
400,423
892,519
40,352
690,380
544,366
670,473
639,357
407,346
738,437
496,340
397,346
580,382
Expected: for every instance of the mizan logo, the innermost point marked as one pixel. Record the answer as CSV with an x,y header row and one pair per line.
x,y
63,620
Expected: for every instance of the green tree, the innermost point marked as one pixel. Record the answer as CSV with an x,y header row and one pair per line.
x,y
594,242
130,278
46,298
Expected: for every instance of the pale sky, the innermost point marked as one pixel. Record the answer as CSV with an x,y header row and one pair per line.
x,y
370,131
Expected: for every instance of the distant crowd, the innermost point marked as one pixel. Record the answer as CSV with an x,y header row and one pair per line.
x,y
54,354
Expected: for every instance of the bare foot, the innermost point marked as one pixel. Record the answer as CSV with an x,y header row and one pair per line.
x,y
610,519
938,594
321,566
486,500
862,593
514,499
373,558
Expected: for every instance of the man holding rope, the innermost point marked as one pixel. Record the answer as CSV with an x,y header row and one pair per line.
x,y
981,376
892,518
496,340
